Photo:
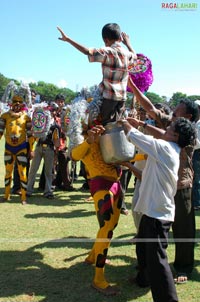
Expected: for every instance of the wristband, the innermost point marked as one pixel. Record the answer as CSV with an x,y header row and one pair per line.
x,y
145,124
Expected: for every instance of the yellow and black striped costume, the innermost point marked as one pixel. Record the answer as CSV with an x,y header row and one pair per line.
x,y
16,126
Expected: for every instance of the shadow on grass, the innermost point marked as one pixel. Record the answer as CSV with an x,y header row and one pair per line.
x,y
195,276
61,200
72,214
67,198
197,212
130,191
25,273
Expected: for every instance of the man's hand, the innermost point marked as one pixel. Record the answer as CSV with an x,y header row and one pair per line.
x,y
125,124
129,123
94,133
133,121
31,154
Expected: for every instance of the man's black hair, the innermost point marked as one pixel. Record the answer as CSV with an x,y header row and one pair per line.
x,y
111,31
60,96
191,108
33,91
163,107
187,132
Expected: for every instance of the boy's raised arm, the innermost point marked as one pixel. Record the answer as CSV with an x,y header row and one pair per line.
x,y
65,38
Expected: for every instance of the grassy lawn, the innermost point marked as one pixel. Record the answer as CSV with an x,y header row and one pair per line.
x,y
43,246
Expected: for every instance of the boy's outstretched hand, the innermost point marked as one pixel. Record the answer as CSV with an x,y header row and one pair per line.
x,y
63,36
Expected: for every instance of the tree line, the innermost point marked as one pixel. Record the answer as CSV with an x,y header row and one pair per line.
x,y
48,91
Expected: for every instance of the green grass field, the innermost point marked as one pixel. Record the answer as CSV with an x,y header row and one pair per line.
x,y
43,246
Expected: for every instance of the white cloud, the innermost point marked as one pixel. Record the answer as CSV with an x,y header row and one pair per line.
x,y
62,83
26,80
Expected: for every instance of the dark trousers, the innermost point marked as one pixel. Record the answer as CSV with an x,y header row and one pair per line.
x,y
124,180
42,179
111,110
63,176
154,269
196,180
82,171
184,228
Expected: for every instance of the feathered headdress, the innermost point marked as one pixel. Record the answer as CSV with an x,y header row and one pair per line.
x,y
14,92
78,117
83,112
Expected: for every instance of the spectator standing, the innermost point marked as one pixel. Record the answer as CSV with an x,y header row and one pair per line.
x,y
196,167
45,149
63,179
184,223
156,202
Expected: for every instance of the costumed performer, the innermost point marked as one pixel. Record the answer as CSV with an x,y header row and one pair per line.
x,y
16,124
84,131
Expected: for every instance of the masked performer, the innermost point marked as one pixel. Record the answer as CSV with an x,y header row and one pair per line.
x,y
16,125
103,178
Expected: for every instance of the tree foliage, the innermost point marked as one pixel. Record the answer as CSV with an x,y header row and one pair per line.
x,y
3,83
154,98
48,92
176,97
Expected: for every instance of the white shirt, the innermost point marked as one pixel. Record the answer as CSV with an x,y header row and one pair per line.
x,y
159,177
140,164
197,126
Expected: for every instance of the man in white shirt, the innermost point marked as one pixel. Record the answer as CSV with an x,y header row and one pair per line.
x,y
196,167
156,202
